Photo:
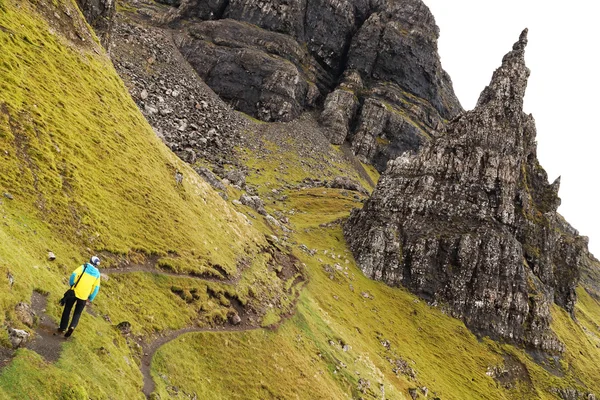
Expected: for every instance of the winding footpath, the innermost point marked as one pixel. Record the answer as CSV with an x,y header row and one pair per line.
x,y
48,345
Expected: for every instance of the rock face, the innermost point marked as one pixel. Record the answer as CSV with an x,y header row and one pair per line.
x,y
257,71
408,94
100,15
375,62
471,220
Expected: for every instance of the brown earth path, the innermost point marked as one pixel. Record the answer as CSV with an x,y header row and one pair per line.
x,y
47,344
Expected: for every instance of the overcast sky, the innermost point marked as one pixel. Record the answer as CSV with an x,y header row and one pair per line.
x,y
563,91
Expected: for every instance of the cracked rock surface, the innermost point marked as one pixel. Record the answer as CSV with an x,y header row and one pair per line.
x,y
374,64
470,220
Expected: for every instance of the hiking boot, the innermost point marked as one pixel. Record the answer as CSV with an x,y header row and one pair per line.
x,y
69,332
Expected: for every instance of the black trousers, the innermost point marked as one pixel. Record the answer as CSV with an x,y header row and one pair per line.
x,y
64,321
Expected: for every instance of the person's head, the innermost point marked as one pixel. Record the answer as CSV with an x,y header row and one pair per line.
x,y
95,261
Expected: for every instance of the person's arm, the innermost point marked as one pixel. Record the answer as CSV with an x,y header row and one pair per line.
x,y
75,275
95,291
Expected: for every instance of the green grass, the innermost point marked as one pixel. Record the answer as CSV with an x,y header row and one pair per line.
x,y
87,174
442,349
305,357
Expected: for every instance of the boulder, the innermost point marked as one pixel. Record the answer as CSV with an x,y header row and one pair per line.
x,y
211,178
124,327
342,182
18,338
25,314
255,203
236,177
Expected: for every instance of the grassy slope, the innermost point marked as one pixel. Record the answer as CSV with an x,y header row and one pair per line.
x,y
87,171
87,174
305,358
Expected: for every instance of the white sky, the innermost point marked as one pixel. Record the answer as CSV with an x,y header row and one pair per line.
x,y
563,55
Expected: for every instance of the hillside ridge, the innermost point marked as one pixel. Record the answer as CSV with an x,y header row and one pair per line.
x,y
223,237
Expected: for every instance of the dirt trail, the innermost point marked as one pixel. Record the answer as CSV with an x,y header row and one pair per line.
x,y
49,345
155,270
45,343
149,349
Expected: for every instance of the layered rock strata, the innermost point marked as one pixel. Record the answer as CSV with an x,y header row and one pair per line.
x,y
375,61
471,220
257,71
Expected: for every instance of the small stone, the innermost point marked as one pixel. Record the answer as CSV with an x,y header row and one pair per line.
x,y
144,94
178,178
51,256
236,177
9,196
104,277
150,110
236,320
272,221
25,314
18,337
124,327
413,393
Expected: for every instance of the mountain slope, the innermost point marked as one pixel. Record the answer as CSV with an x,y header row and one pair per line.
x,y
82,172
290,313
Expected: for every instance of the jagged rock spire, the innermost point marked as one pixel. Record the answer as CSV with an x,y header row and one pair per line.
x,y
471,220
507,88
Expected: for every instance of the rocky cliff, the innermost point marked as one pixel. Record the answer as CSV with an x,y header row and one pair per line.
x,y
100,15
370,66
471,220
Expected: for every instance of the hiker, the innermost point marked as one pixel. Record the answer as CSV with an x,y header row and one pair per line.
x,y
85,284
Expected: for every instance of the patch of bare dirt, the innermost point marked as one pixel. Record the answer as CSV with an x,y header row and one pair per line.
x,y
45,342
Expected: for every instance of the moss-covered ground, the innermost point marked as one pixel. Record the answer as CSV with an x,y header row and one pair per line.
x,y
82,172
395,342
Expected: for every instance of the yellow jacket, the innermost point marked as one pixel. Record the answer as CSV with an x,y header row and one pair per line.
x,y
89,285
